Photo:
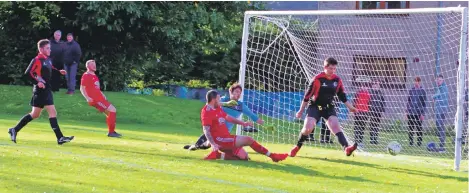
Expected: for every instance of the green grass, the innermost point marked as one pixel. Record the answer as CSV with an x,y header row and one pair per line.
x,y
150,158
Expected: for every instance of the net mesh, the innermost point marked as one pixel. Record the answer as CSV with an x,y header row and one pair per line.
x,y
285,52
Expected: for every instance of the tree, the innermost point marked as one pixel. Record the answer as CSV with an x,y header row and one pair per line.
x,y
151,41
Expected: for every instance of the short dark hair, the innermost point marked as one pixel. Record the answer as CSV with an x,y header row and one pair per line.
x,y
440,76
330,61
42,43
211,94
234,87
417,79
70,34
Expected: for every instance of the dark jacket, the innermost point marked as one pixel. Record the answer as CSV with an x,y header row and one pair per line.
x,y
72,52
416,102
377,102
56,52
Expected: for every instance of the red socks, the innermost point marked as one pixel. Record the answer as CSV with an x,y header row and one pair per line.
x,y
111,121
259,148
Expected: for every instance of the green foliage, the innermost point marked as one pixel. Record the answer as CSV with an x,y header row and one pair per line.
x,y
159,92
198,84
142,41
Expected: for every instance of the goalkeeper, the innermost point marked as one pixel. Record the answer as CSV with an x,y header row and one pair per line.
x,y
319,100
233,108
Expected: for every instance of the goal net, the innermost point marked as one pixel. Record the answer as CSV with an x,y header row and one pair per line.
x,y
381,53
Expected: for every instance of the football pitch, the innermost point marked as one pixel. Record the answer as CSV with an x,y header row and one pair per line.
x,y
150,158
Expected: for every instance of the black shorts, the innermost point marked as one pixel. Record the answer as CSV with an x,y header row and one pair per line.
x,y
316,112
42,97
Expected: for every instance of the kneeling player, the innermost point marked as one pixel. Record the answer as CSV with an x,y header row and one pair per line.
x,y
214,126
319,97
90,89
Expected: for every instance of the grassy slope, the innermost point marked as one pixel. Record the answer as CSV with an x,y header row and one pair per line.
x,y
150,158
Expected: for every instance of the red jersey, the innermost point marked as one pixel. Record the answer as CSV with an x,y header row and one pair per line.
x,y
215,118
92,89
362,100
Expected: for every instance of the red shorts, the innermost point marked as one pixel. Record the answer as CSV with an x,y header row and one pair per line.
x,y
226,143
100,105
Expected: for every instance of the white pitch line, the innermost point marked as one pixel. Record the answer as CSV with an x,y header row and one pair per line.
x,y
134,165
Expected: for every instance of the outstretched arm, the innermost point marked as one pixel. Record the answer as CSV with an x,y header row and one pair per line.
x,y
237,121
249,113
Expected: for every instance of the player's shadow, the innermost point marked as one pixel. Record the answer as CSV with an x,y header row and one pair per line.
x,y
298,170
379,167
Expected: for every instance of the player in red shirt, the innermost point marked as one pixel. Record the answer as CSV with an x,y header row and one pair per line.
x,y
231,146
90,89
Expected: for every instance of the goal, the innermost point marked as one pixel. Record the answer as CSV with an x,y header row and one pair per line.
x,y
383,50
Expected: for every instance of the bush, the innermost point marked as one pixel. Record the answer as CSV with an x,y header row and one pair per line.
x,y
198,84
158,92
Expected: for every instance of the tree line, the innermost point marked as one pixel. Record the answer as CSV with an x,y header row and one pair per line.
x,y
153,42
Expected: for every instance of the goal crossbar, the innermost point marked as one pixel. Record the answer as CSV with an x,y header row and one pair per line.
x,y
358,12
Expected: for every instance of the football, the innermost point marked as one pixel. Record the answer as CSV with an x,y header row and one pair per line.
x,y
394,148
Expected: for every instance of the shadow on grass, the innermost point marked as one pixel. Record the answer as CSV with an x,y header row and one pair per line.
x,y
379,167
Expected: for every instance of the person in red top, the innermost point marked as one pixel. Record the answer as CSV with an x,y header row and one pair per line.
x,y
362,101
39,72
90,89
225,145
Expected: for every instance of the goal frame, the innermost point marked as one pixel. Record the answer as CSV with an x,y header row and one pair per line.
x,y
461,57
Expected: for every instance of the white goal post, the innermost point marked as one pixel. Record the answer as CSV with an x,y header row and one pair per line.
x,y
380,53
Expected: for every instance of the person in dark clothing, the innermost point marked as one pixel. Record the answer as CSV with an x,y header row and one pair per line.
x,y
56,55
416,104
319,98
377,105
72,55
39,72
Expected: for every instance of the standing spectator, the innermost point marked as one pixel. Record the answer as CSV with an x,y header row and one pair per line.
x,y
72,57
362,102
440,101
416,104
56,55
376,110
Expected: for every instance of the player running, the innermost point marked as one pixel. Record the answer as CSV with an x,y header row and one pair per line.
x,y
319,98
39,72
234,108
90,89
214,126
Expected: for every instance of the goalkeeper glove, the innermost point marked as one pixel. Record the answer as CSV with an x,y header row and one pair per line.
x,y
230,103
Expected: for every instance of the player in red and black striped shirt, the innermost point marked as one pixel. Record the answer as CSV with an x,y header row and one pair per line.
x,y
39,72
319,98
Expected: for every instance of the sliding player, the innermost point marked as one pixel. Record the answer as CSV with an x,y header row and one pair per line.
x,y
40,72
234,108
319,98
91,91
214,126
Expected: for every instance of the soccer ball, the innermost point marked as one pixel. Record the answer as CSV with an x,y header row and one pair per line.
x,y
394,148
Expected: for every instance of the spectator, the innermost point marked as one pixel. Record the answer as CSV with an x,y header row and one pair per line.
x,y
72,57
56,55
376,110
440,101
416,104
362,102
